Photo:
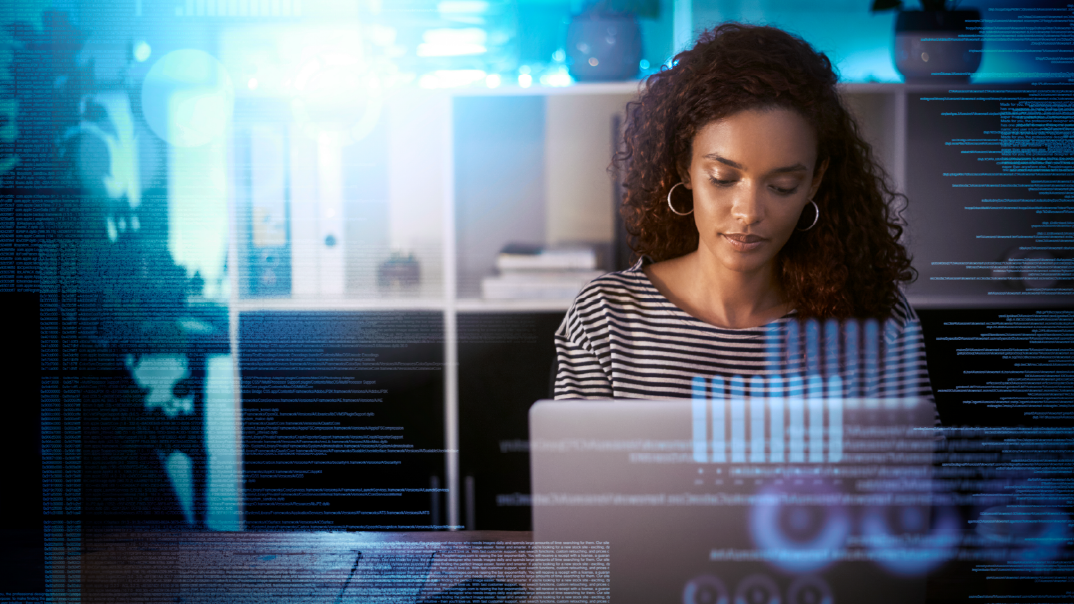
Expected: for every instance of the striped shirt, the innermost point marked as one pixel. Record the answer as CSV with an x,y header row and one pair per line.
x,y
623,339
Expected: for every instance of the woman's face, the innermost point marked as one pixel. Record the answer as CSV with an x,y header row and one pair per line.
x,y
752,173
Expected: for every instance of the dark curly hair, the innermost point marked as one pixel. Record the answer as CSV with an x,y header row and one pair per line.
x,y
850,264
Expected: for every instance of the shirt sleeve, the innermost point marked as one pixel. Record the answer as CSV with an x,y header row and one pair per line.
x,y
906,371
580,374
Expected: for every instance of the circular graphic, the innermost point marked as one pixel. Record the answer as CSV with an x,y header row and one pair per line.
x,y
188,98
757,589
911,539
800,537
704,589
809,590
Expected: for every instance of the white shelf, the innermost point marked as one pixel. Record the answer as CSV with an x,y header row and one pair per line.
x,y
482,305
462,305
338,304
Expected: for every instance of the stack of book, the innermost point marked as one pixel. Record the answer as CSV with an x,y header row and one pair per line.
x,y
536,272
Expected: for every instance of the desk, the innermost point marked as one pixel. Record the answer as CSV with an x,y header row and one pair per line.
x,y
209,567
410,567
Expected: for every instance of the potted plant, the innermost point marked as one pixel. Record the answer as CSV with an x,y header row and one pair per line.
x,y
604,39
935,44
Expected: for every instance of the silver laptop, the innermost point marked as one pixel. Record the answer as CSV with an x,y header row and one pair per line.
x,y
762,501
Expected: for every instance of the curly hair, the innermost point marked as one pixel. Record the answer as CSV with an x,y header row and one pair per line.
x,y
851,263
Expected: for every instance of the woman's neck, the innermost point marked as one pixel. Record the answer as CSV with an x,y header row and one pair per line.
x,y
718,296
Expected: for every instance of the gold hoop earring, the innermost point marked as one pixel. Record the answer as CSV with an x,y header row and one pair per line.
x,y
672,208
816,215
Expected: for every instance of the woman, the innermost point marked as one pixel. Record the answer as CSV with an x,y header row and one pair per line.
x,y
754,204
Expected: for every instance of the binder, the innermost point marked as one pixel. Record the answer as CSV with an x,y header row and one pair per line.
x,y
269,258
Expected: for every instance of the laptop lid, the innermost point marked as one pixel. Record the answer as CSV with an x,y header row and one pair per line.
x,y
757,501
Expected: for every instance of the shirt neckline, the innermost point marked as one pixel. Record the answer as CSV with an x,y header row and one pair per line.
x,y
663,301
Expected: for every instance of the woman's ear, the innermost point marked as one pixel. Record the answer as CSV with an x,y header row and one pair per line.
x,y
684,176
818,176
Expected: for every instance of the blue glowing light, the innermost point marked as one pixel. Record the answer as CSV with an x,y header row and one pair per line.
x,y
901,540
810,588
452,78
699,406
556,79
450,7
142,51
705,588
719,430
799,538
453,42
759,589
187,98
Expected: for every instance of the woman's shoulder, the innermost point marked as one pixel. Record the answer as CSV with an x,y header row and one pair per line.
x,y
902,312
629,284
902,321
615,295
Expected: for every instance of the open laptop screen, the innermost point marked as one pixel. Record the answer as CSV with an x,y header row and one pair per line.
x,y
760,500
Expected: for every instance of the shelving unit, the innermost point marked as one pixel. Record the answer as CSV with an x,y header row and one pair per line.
x,y
468,170
421,141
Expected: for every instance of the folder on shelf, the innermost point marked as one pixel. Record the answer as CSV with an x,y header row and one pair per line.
x,y
317,249
269,260
304,224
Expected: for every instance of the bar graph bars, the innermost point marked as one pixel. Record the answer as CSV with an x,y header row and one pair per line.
x,y
740,428
795,412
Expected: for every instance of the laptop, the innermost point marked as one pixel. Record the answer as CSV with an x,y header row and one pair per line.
x,y
745,501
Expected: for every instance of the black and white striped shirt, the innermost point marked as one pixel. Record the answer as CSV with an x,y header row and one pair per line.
x,y
623,339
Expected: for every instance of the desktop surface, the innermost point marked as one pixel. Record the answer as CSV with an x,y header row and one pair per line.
x,y
333,567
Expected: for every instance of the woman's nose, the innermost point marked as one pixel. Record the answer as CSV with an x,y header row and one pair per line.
x,y
747,206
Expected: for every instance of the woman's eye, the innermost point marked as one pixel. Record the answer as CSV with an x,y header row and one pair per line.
x,y
784,191
721,183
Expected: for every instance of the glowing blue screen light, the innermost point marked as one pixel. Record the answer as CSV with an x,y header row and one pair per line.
x,y
738,420
719,431
452,78
142,51
757,404
187,98
698,408
453,42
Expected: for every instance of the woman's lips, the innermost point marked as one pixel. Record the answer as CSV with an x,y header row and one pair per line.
x,y
742,242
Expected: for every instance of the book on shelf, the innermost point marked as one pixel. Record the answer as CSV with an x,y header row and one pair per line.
x,y
539,272
562,285
522,257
